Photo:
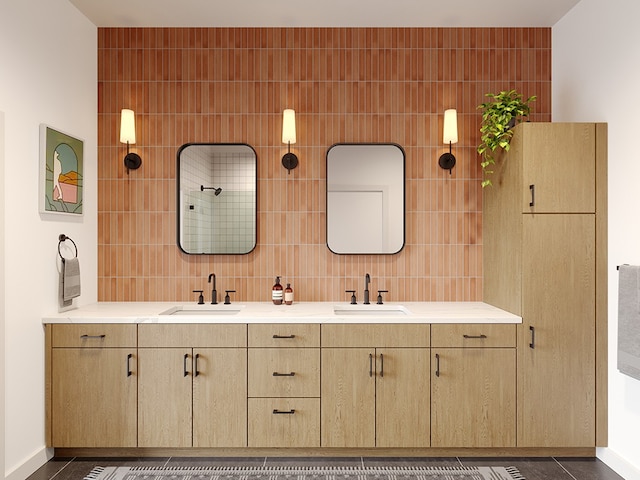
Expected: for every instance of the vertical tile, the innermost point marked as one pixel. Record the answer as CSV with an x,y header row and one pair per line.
x,y
365,84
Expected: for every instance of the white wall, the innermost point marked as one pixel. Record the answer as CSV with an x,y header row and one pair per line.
x,y
2,302
596,77
48,75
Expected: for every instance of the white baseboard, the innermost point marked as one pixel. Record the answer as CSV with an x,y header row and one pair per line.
x,y
618,464
30,465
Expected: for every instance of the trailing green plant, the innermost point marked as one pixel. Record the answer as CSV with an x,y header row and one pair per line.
x,y
499,116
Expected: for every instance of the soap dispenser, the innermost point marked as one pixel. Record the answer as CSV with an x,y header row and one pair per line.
x,y
276,292
288,295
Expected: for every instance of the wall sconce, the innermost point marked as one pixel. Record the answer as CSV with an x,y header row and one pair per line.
x,y
449,135
289,160
128,135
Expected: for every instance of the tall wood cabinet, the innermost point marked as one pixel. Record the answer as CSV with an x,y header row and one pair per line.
x,y
544,242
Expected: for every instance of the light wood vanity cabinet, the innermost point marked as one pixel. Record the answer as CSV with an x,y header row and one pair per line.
x,y
91,382
284,385
192,385
375,385
473,385
544,243
156,385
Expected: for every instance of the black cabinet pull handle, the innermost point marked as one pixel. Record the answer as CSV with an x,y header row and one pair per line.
x,y
381,365
284,336
283,412
437,365
370,365
533,195
533,337
129,372
276,374
184,364
475,336
195,365
92,336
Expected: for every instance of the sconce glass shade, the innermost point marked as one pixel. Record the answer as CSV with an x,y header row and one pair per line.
x,y
132,161
450,127
289,160
127,126
289,126
449,135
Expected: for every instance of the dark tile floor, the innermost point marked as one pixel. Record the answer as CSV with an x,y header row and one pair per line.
x,y
530,468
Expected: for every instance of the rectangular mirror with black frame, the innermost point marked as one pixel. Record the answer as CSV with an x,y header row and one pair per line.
x,y
216,198
365,198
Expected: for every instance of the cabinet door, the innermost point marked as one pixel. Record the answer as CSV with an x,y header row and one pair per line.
x,y
559,160
556,378
402,397
473,397
348,397
93,397
164,397
220,397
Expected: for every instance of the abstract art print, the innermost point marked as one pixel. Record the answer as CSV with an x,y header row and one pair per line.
x,y
61,170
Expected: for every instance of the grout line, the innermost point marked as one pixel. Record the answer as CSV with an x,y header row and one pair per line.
x,y
563,468
62,468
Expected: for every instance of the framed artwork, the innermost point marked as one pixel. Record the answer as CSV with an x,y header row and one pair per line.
x,y
61,172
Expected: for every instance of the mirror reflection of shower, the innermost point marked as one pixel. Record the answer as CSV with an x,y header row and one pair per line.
x,y
216,190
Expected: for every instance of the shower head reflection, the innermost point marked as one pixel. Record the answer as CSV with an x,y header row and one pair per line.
x,y
216,190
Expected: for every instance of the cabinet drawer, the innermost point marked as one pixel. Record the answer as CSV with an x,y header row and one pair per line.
x,y
284,335
473,335
284,422
192,335
93,335
284,372
375,335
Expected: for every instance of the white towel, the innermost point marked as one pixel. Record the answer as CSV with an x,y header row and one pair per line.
x,y
70,279
629,321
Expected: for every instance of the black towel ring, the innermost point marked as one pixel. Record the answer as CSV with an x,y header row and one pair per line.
x,y
61,238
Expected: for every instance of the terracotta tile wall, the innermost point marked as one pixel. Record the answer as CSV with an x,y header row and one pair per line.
x,y
346,85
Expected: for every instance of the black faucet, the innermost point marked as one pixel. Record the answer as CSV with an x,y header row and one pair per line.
x,y
214,292
367,280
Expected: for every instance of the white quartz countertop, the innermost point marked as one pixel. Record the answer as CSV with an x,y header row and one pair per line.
x,y
302,312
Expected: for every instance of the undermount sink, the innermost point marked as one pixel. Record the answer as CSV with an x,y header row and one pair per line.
x,y
204,310
371,310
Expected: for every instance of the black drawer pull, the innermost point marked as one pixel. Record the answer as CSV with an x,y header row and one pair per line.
x,y
381,365
92,336
196,372
475,336
283,412
184,364
276,374
437,365
129,372
283,336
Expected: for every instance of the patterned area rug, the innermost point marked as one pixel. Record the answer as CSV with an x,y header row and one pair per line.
x,y
302,473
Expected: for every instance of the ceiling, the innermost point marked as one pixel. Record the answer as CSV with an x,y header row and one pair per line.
x,y
324,13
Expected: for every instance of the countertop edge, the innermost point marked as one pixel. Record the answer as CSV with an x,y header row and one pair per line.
x,y
261,312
